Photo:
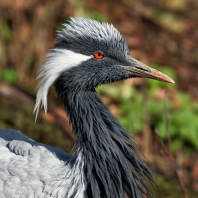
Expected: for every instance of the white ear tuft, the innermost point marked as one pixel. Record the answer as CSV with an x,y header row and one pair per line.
x,y
58,60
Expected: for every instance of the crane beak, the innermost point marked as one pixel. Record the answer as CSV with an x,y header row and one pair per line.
x,y
139,69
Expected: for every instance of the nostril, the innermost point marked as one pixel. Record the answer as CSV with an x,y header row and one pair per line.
x,y
143,69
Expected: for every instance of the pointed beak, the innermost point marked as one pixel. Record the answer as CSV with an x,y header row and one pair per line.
x,y
139,69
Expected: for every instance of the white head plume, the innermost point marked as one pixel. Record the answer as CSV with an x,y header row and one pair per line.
x,y
58,60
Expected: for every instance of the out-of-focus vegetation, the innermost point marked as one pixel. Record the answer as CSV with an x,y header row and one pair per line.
x,y
8,75
23,120
170,189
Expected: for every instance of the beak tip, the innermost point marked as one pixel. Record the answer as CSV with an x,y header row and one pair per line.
x,y
172,81
168,79
163,77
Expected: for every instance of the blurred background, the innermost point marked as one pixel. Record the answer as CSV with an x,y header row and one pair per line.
x,y
162,34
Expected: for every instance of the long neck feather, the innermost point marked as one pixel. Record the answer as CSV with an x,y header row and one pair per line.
x,y
111,165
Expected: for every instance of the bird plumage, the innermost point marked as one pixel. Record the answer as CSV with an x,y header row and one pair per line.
x,y
105,163
30,169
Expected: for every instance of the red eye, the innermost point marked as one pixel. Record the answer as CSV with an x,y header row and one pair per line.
x,y
98,55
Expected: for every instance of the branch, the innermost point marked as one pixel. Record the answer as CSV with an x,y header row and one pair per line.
x,y
169,155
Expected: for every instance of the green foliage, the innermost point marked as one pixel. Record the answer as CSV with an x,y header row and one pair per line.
x,y
82,11
97,16
8,75
165,19
183,122
133,112
170,188
169,21
5,32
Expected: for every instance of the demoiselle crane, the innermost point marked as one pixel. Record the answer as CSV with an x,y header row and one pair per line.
x,y
105,163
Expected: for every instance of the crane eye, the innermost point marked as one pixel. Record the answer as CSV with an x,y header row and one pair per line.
x,y
98,55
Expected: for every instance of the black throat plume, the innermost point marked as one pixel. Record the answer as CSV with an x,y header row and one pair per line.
x,y
109,152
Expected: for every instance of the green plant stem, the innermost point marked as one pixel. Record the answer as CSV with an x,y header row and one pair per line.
x,y
169,155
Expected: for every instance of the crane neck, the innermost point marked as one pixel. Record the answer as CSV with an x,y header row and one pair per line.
x,y
107,150
92,121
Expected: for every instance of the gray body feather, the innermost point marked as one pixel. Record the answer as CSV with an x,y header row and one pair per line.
x,y
30,169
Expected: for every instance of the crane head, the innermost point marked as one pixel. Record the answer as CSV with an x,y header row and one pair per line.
x,y
88,53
